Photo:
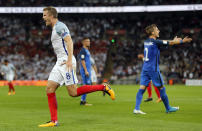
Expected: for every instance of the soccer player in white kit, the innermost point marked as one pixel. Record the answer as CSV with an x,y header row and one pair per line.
x,y
64,70
9,71
93,71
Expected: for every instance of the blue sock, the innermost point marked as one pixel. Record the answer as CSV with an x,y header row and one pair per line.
x,y
164,98
83,97
139,98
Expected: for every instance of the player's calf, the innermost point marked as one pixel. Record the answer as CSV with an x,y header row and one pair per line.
x,y
91,88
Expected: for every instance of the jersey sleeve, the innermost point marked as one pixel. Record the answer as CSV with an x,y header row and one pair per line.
x,y
62,30
82,55
161,42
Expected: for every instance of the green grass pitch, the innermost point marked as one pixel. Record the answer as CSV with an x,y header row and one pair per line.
x,y
28,108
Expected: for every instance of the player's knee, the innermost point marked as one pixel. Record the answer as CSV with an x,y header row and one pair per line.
x,y
73,94
72,90
50,89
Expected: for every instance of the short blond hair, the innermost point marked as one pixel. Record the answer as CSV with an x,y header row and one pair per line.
x,y
149,29
51,11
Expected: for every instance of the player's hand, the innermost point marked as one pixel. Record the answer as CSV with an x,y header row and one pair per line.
x,y
187,39
2,73
15,77
86,73
69,65
140,56
177,38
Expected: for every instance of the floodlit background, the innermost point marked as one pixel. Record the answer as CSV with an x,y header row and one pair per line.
x,y
25,41
116,30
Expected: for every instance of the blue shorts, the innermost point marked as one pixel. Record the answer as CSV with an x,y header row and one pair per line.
x,y
155,76
86,80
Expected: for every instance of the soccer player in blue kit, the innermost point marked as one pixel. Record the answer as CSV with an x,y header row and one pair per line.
x,y
150,69
85,67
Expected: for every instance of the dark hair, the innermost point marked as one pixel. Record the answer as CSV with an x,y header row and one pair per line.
x,y
149,29
6,61
84,38
51,11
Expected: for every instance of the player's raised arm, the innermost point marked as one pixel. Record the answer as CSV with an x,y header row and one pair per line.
x,y
177,41
153,32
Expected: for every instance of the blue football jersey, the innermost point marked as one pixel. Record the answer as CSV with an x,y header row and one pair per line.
x,y
85,55
152,54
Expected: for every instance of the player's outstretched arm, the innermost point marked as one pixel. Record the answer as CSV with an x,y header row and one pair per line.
x,y
177,41
177,38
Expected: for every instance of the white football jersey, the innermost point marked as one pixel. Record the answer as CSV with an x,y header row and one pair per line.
x,y
59,32
59,73
8,70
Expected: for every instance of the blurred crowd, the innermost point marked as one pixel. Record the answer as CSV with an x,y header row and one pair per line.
x,y
26,43
94,2
176,62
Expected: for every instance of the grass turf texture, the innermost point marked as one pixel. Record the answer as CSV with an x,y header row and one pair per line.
x,y
28,108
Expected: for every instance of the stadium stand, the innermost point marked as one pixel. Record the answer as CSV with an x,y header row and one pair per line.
x,y
25,42
93,2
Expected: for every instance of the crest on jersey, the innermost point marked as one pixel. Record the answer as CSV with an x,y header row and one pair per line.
x,y
68,76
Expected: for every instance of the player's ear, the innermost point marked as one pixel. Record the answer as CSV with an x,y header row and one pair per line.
x,y
51,15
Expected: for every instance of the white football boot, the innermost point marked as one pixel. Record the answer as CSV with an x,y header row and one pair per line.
x,y
138,112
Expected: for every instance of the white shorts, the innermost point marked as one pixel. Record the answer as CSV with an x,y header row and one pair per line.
x,y
93,76
10,77
60,74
